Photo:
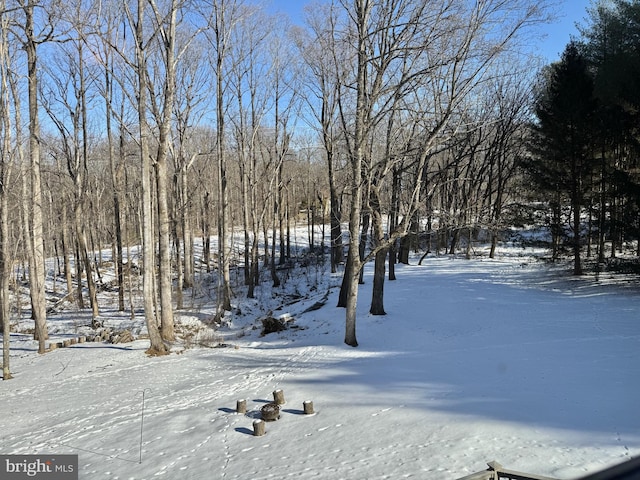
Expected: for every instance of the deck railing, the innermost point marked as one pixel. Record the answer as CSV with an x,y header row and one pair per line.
x,y
498,472
628,470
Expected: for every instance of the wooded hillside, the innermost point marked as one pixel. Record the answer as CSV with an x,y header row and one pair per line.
x,y
395,125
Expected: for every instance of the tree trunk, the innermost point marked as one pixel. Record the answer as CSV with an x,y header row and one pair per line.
x,y
5,172
187,245
556,229
603,204
352,274
344,286
377,296
5,271
577,204
246,208
116,181
86,261
274,231
280,212
379,271
206,232
80,212
220,26
162,175
177,243
364,239
157,346
337,248
455,237
164,251
408,241
65,252
36,238
79,263
494,244
394,214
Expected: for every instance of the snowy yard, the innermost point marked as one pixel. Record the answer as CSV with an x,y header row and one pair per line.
x,y
475,361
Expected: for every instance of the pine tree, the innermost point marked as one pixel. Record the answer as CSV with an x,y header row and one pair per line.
x,y
612,48
562,142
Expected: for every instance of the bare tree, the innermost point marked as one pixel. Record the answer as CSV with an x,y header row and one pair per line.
x,y
137,21
6,168
104,45
505,116
326,62
65,101
362,19
222,18
165,24
32,38
190,106
284,104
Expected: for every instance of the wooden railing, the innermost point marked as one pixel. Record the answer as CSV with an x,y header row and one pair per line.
x,y
498,472
628,470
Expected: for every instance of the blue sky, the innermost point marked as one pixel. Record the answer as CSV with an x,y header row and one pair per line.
x,y
557,34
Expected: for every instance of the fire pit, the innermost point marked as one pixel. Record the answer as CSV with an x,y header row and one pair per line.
x,y
270,412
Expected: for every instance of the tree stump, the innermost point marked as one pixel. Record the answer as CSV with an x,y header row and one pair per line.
x,y
241,406
258,428
270,412
307,406
278,397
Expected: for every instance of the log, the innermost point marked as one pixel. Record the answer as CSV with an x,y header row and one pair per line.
x,y
273,325
278,397
258,428
123,337
307,406
241,406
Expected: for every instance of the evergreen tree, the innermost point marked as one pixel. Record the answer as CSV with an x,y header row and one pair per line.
x,y
612,48
562,145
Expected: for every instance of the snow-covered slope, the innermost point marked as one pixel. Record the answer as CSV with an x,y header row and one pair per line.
x,y
475,361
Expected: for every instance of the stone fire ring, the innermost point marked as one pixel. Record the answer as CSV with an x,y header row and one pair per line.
x,y
270,412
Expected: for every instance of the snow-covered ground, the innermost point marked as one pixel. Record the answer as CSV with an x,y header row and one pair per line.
x,y
476,360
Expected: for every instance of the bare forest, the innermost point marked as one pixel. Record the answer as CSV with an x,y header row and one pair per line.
x,y
132,129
